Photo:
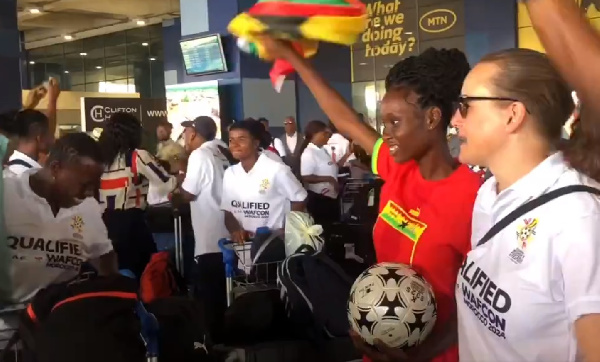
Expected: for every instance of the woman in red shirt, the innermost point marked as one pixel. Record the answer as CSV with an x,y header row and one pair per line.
x,y
427,200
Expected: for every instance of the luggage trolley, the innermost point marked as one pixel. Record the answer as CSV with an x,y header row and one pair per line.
x,y
243,274
350,189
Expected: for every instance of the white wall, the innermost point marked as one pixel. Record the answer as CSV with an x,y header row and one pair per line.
x,y
261,100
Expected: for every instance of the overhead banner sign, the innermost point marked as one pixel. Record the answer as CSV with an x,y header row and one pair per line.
x,y
150,111
96,111
398,29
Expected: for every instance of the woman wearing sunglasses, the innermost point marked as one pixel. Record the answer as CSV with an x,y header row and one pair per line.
x,y
427,200
532,291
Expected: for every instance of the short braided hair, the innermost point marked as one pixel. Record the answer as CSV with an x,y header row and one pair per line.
x,y
73,145
436,76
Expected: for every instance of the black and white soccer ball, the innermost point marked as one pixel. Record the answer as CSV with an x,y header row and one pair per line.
x,y
392,303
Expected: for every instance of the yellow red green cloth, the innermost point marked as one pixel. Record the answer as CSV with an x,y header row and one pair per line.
x,y
304,22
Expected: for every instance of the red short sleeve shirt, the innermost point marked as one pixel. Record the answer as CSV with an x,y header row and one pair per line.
x,y
425,224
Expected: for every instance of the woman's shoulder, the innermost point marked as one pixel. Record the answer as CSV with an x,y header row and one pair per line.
x,y
580,204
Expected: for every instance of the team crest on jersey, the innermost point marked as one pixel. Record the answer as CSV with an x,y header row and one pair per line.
x,y
77,226
525,235
264,185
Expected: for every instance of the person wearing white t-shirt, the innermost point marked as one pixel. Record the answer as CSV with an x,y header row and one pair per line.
x,y
274,143
532,292
320,173
202,188
57,225
338,146
257,192
33,138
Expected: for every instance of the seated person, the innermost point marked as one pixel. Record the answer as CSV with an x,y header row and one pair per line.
x,y
257,192
57,225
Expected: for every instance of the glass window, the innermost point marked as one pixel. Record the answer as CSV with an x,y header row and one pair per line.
x,y
75,46
155,31
116,67
92,87
73,71
129,61
138,35
94,70
94,47
115,44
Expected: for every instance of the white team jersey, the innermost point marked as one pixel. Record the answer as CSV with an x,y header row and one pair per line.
x,y
316,161
337,147
262,196
273,156
125,183
204,179
519,294
215,147
19,163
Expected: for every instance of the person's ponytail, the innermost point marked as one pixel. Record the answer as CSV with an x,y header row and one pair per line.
x,y
311,129
583,149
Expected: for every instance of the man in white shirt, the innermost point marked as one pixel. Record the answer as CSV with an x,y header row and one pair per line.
x,y
57,225
275,142
292,142
202,188
34,138
338,146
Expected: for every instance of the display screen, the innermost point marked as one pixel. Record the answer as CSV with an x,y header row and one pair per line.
x,y
203,55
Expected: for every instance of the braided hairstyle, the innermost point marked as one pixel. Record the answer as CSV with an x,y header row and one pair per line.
x,y
122,133
73,145
436,76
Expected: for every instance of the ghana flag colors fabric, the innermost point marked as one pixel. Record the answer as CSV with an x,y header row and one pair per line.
x,y
304,22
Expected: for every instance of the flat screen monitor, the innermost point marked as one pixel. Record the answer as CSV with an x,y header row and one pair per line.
x,y
203,55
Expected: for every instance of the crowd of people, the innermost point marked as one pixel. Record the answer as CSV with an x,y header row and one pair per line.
x,y
528,292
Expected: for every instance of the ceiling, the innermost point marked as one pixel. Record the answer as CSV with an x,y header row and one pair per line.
x,y
47,22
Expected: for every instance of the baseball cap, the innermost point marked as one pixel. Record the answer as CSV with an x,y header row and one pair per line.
x,y
204,125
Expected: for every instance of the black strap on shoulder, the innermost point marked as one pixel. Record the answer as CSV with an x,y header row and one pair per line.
x,y
533,204
19,162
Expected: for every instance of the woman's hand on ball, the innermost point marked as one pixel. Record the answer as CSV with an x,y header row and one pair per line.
x,y
383,353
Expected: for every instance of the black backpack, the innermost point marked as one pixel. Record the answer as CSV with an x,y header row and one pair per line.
x,y
90,320
183,333
315,290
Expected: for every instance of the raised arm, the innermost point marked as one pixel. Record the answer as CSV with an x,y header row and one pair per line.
x,y
571,43
331,102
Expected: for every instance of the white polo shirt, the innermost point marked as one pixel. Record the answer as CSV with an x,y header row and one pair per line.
x,y
316,161
19,162
278,145
204,178
519,294
262,196
273,156
214,147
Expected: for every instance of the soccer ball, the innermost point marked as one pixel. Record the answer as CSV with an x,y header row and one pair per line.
x,y
392,303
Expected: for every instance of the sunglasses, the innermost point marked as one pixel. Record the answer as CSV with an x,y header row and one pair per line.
x,y
462,105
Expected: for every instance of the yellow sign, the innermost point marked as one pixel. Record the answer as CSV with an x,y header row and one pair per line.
x,y
437,21
527,38
385,34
